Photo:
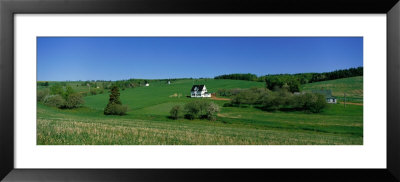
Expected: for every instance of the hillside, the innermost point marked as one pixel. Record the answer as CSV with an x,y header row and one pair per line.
x,y
353,87
147,122
160,92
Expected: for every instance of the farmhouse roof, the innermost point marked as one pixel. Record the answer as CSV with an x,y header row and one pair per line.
x,y
199,87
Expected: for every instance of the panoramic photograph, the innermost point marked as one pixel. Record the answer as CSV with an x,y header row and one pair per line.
x,y
199,91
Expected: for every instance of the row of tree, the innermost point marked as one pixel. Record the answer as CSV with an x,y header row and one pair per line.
x,y
200,109
292,82
238,76
66,98
59,97
280,99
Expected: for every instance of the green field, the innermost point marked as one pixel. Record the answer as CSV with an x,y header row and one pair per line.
x,y
147,122
352,87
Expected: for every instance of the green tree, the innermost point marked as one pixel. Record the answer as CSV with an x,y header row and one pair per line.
x,y
192,110
41,94
114,106
212,110
56,90
54,100
73,100
68,91
175,111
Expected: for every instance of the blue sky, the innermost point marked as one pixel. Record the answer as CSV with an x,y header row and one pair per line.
x,y
116,58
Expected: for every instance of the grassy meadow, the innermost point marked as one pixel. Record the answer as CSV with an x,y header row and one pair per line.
x,y
147,122
352,87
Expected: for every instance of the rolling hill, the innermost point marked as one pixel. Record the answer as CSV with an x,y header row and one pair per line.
x,y
147,122
353,87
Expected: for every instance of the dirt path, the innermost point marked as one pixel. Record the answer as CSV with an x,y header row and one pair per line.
x,y
352,103
219,98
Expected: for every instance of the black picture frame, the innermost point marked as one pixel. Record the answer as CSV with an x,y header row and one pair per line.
x,y
8,8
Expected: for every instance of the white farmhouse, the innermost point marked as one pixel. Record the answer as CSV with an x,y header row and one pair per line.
x,y
199,91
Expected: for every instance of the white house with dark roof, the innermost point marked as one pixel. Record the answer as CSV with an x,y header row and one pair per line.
x,y
199,91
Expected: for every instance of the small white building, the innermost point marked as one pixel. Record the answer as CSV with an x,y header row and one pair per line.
x,y
199,91
147,84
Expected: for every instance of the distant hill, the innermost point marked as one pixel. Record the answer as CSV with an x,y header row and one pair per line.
x,y
353,87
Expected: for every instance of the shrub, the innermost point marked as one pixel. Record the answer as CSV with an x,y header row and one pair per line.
x,y
74,100
54,100
192,110
175,112
201,109
310,102
251,96
271,101
41,94
56,90
212,111
318,103
67,92
115,109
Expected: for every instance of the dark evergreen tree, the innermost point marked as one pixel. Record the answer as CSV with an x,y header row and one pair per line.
x,y
114,96
114,106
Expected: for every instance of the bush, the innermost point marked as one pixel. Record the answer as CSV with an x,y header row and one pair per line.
x,y
270,101
201,109
192,110
318,103
251,96
69,90
310,102
56,89
41,94
54,100
74,100
115,109
212,111
175,112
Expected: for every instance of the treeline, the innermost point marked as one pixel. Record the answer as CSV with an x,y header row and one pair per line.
x,y
108,84
292,82
280,99
238,76
122,84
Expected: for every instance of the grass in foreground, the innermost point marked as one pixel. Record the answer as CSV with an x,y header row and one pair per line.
x,y
57,127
